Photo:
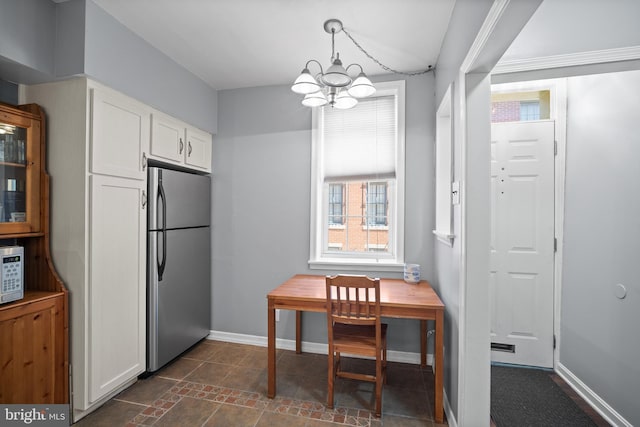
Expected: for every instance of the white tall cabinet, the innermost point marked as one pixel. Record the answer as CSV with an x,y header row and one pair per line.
x,y
97,139
99,143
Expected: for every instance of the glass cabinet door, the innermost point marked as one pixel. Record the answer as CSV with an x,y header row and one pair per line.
x,y
13,174
19,182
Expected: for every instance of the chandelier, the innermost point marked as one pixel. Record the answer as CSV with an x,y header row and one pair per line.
x,y
335,86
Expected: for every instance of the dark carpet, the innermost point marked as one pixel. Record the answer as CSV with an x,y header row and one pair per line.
x,y
529,397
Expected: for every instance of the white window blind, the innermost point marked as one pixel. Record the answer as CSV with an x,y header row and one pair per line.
x,y
360,143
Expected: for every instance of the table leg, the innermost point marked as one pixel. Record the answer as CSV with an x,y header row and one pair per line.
x,y
438,350
298,332
423,343
271,350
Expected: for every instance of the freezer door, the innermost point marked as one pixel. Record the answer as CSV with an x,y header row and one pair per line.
x,y
179,304
184,198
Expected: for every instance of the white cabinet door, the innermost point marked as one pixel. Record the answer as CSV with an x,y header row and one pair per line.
x,y
117,283
198,152
119,135
167,138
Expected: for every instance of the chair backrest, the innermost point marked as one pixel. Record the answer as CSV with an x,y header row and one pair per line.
x,y
353,300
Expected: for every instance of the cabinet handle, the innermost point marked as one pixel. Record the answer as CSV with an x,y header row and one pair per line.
x,y
144,161
144,199
189,153
181,146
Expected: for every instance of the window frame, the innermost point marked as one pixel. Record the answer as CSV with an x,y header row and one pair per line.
x,y
445,186
366,261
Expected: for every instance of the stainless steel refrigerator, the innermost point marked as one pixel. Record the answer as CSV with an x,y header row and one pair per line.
x,y
178,263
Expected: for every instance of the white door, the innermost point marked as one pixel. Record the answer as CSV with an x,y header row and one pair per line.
x,y
522,242
117,284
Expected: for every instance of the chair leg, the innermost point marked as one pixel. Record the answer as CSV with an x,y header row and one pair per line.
x,y
330,379
379,377
384,365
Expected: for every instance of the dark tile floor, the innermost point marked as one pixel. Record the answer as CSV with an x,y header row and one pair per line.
x,y
224,384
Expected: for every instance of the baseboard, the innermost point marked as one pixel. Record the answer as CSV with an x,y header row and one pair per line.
x,y
448,410
309,347
596,402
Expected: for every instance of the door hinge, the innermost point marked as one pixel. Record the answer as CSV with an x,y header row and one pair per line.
x,y
555,244
554,341
555,148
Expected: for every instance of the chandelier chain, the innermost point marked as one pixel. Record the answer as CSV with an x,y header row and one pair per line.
x,y
384,67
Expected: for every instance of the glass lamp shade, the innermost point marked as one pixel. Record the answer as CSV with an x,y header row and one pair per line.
x,y
316,99
336,75
344,101
305,83
362,87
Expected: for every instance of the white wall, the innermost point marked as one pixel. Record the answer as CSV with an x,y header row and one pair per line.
x,y
599,339
262,179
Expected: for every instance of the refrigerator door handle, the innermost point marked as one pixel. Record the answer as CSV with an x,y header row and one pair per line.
x,y
162,198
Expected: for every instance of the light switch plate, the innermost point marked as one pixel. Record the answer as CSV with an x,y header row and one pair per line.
x,y
455,193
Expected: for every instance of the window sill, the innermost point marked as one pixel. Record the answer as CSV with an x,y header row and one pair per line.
x,y
445,238
357,265
376,227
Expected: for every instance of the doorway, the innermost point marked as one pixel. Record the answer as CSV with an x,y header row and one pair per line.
x,y
527,173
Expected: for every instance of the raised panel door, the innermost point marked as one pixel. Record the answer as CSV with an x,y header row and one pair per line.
x,y
522,255
167,138
119,135
198,149
117,283
29,336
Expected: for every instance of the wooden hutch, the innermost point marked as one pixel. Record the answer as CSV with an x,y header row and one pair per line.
x,y
34,331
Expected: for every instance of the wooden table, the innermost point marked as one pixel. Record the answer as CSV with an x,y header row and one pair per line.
x,y
397,299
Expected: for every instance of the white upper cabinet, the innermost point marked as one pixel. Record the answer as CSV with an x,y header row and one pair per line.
x,y
119,135
198,149
167,138
175,142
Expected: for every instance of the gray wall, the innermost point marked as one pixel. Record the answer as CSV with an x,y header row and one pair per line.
x,y
562,27
79,38
8,92
599,339
466,20
122,60
262,169
27,33
550,32
465,291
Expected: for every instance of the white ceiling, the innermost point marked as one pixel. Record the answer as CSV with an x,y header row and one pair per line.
x,y
245,43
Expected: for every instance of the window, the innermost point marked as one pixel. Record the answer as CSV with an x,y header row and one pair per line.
x,y
444,172
529,110
518,106
336,204
358,183
376,203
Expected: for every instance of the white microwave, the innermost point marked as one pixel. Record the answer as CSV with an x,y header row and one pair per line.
x,y
11,273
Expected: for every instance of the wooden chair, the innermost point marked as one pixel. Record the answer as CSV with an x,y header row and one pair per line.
x,y
354,328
